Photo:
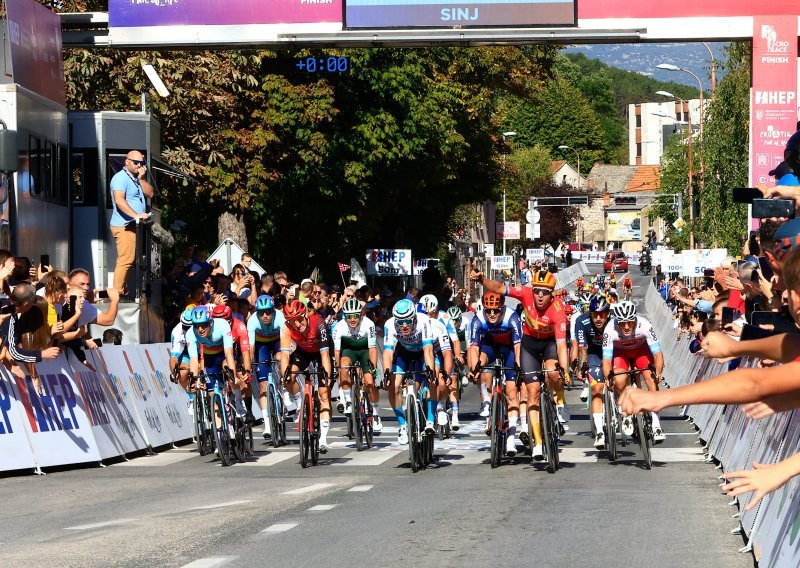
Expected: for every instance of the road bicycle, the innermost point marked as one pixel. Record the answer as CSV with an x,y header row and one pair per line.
x,y
223,411
552,429
203,429
276,410
420,442
643,422
360,420
308,426
498,418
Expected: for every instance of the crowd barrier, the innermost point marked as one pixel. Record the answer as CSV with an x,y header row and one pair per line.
x,y
773,527
570,274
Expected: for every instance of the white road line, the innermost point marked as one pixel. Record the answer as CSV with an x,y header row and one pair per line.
x,y
366,458
279,527
99,525
219,505
159,460
308,489
269,459
322,507
212,562
361,488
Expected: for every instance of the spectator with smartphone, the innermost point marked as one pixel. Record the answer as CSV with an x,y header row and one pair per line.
x,y
112,337
129,189
79,285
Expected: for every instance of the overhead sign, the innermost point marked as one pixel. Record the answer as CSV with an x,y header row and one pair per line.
x,y
388,262
503,262
476,13
509,230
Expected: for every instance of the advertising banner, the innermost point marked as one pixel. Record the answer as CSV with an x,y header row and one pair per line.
x,y
503,262
15,450
508,230
534,254
671,263
589,256
477,13
773,104
421,264
624,226
388,262
59,429
488,249
147,13
695,261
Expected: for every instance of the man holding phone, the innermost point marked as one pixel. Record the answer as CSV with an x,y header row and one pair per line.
x,y
129,188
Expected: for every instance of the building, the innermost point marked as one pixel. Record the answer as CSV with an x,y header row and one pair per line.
x,y
650,125
564,173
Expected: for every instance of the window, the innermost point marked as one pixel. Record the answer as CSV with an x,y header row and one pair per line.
x,y
638,149
84,177
50,165
33,182
78,195
62,180
638,121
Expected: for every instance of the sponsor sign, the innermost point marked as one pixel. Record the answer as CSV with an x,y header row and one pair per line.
x,y
488,249
695,261
534,254
503,262
388,262
476,13
508,230
15,450
421,264
170,397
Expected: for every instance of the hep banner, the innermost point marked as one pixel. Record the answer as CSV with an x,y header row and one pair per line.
x,y
388,262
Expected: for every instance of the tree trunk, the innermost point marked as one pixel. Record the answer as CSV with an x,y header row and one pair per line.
x,y
231,226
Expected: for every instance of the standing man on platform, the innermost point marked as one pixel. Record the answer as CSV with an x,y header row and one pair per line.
x,y
129,188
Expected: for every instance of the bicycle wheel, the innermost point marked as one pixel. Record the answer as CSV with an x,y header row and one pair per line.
x,y
644,441
239,442
199,423
281,416
425,438
315,431
355,413
367,419
412,426
248,440
546,418
496,426
272,414
305,432
222,434
608,426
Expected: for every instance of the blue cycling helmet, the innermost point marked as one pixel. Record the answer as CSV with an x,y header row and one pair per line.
x,y
264,303
186,317
200,315
404,309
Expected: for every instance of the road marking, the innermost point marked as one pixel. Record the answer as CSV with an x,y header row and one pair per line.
x,y
219,505
367,458
361,488
211,562
159,460
280,527
466,457
322,507
309,489
99,525
271,458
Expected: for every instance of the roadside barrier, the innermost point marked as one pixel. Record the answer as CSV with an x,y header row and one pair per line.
x,y
772,528
568,275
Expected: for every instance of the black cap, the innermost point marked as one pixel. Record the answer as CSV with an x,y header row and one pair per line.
x,y
781,170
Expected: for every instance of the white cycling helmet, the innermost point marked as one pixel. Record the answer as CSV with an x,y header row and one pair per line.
x,y
404,310
429,303
624,311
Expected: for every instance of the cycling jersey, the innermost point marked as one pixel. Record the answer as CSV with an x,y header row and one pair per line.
x,y
362,337
218,339
440,337
445,318
507,330
573,320
627,283
315,339
613,340
258,332
419,337
240,336
549,324
588,335
178,344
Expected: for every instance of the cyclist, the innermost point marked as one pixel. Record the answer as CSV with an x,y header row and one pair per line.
x,y
589,329
443,358
579,284
627,287
460,325
214,335
629,338
431,305
264,332
354,341
496,332
179,356
241,354
407,339
583,307
544,342
304,340
612,279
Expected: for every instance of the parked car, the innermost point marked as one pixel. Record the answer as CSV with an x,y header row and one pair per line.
x,y
617,260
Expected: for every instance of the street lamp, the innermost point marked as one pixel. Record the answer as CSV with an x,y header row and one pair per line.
x,y
505,135
670,67
578,156
713,68
691,173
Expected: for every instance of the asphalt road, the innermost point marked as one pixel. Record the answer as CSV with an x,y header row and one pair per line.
x,y
180,509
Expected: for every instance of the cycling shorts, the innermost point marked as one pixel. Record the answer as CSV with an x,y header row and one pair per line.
x,y
641,358
360,356
303,359
213,365
534,353
265,354
405,360
503,352
595,368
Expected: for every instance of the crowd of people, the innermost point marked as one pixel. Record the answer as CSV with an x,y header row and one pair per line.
x,y
748,307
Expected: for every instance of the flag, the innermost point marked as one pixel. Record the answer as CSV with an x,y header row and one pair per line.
x,y
343,267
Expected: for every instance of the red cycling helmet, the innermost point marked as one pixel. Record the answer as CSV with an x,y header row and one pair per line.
x,y
295,310
221,311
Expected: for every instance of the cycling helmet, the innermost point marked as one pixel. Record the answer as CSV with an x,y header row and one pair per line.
x,y
454,312
599,304
543,279
492,300
352,306
264,303
294,310
186,317
200,315
404,309
221,311
430,303
624,311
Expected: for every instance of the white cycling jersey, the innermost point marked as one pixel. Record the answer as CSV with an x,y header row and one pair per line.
x,y
440,336
421,336
614,340
362,337
178,342
573,319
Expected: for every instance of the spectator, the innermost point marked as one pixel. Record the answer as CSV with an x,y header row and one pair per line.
x,y
112,336
431,278
79,285
55,292
247,260
129,188
568,257
243,284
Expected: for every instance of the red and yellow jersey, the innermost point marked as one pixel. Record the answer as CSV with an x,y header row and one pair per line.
x,y
548,324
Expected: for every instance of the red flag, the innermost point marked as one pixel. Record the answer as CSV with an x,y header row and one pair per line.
x,y
343,267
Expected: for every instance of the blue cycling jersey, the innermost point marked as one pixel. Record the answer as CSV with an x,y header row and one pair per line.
x,y
587,335
219,337
269,333
507,330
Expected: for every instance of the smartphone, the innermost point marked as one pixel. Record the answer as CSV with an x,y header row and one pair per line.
x,y
766,208
750,332
72,301
746,194
7,309
102,293
727,316
44,260
766,269
763,318
98,341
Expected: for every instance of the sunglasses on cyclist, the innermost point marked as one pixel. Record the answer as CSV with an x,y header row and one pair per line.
x,y
491,310
203,325
405,322
542,291
266,312
353,316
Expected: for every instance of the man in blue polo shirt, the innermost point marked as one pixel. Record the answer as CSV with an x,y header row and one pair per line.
x,y
129,188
